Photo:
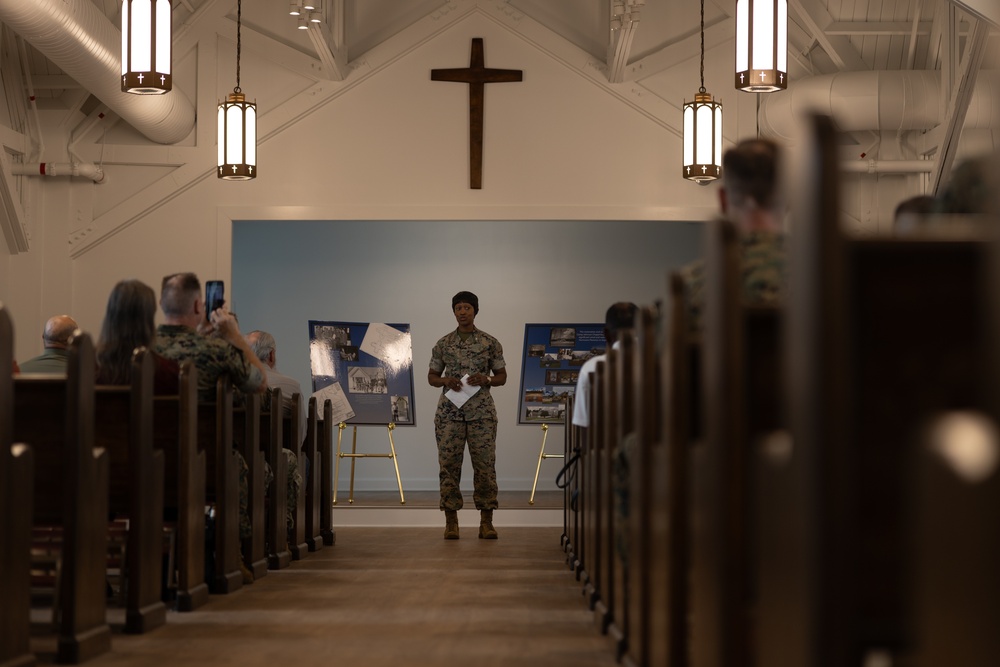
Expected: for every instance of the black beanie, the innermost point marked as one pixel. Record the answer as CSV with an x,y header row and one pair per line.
x,y
466,297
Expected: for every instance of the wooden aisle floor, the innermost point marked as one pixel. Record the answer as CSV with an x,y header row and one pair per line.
x,y
391,596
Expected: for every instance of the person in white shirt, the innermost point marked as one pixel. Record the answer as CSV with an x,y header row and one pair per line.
x,y
619,316
265,347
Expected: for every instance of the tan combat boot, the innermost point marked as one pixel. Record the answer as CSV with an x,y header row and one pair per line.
x,y
486,529
451,524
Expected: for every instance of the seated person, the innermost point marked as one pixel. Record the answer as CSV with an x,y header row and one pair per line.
x,y
129,324
973,189
185,335
265,348
748,197
55,339
909,213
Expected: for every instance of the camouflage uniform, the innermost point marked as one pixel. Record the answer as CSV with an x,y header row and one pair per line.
x,y
214,357
475,422
765,271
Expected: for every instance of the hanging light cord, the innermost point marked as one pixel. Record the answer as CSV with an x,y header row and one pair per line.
x,y
239,44
702,89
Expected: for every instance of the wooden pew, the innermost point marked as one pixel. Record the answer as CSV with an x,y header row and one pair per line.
x,y
581,519
884,335
272,429
955,576
604,422
17,473
598,499
175,433
590,502
669,497
310,458
56,415
215,435
123,424
569,446
248,425
741,393
294,439
325,444
646,410
619,432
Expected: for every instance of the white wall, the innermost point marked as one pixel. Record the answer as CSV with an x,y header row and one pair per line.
x,y
288,273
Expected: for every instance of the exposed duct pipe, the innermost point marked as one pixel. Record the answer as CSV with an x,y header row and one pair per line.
x,y
897,100
85,169
81,41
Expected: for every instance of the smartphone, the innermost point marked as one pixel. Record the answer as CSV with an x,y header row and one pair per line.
x,y
215,296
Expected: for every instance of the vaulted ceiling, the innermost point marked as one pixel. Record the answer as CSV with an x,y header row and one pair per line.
x,y
650,36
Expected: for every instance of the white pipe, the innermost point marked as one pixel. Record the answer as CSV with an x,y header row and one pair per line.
x,y
79,39
85,169
888,166
894,100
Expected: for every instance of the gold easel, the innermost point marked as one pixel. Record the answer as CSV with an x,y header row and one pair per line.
x,y
354,456
542,455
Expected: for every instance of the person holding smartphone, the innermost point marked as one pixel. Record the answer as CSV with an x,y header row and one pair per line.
x,y
187,321
467,357
185,334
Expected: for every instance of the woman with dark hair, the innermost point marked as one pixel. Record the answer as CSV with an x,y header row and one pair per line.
x,y
128,324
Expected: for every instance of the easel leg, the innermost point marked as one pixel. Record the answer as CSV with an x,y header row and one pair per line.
x,y
336,464
354,454
392,448
541,455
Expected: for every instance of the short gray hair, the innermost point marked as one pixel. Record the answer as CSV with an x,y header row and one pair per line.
x,y
262,344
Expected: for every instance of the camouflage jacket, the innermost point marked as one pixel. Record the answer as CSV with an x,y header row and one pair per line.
x,y
765,274
453,357
213,357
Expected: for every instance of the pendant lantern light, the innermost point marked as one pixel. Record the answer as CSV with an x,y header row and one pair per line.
x,y
761,45
237,126
146,47
702,129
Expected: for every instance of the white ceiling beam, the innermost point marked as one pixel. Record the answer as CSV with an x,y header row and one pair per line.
x,y
328,40
816,20
12,217
972,62
681,50
933,53
187,34
987,10
625,15
911,53
884,28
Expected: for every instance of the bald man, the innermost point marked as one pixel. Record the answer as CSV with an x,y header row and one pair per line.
x,y
55,338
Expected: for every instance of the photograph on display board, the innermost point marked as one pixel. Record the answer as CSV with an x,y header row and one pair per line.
x,y
366,368
553,354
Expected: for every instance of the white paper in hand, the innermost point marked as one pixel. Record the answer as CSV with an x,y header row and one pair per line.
x,y
462,395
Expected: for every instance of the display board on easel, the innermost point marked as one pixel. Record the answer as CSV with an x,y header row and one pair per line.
x,y
365,369
550,368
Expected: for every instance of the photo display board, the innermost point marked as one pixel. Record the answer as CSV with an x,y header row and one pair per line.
x,y
365,369
553,355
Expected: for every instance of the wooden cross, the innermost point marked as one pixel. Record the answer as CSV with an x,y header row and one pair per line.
x,y
476,75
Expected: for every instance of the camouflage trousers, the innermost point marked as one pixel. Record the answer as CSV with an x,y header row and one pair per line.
x,y
293,482
481,435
